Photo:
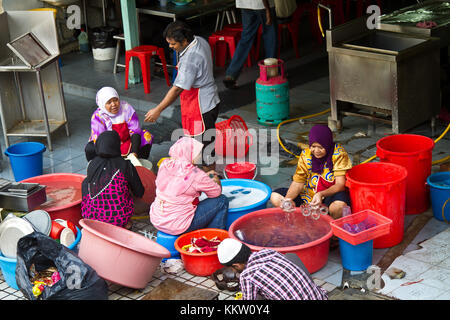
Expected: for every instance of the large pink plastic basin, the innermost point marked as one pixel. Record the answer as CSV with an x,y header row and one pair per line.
x,y
63,195
314,254
119,255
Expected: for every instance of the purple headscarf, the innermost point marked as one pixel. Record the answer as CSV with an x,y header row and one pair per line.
x,y
322,135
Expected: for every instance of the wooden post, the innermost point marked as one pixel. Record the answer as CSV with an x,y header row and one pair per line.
x,y
131,34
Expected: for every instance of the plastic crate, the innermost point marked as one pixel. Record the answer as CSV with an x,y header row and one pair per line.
x,y
232,137
381,228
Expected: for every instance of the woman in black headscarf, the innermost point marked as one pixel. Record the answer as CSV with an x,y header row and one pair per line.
x,y
110,178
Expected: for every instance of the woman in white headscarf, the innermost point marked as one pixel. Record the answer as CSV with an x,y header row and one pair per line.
x,y
118,115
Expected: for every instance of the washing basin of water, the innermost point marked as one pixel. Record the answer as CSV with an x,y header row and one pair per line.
x,y
274,229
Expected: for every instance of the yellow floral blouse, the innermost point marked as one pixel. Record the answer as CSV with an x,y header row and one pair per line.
x,y
304,174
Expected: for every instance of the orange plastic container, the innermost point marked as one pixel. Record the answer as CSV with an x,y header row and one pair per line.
x,y
383,227
314,254
200,264
120,255
381,187
414,152
232,137
63,195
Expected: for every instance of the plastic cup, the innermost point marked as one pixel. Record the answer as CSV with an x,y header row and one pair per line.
x,y
56,230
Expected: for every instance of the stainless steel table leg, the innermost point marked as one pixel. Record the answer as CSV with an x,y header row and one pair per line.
x,y
85,16
61,93
104,11
4,124
44,109
19,88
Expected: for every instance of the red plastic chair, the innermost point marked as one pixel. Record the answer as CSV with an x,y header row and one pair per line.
x,y
238,27
144,54
228,37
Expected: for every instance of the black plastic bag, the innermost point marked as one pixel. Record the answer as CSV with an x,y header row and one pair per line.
x,y
102,37
78,280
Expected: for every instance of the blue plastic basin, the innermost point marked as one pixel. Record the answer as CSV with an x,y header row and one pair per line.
x,y
235,213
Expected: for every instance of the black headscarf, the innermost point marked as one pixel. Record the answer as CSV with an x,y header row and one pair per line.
x,y
106,163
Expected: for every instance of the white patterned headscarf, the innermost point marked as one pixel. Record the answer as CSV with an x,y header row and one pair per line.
x,y
103,95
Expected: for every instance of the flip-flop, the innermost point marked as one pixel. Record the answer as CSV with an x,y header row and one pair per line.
x,y
230,83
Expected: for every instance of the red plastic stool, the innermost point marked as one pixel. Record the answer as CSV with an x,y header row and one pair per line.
x,y
144,53
293,27
228,37
238,27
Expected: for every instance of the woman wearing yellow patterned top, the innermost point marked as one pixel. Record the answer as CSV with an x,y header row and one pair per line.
x,y
320,175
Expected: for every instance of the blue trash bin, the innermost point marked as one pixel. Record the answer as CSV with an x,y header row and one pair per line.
x,y
26,159
440,195
356,257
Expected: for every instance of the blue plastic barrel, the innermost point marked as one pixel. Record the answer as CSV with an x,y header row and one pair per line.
x,y
26,159
440,194
235,213
168,242
356,258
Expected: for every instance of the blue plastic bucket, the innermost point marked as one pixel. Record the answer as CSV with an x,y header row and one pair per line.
x,y
235,213
8,265
168,242
26,159
440,195
356,258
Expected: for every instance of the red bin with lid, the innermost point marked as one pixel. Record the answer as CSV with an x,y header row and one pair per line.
x,y
414,152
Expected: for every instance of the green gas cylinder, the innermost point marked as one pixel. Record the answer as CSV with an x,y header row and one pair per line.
x,y
272,92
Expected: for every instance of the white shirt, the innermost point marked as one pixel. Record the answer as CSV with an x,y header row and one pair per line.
x,y
252,4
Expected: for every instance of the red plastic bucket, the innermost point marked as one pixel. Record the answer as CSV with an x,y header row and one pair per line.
x,y
414,152
380,187
200,264
240,170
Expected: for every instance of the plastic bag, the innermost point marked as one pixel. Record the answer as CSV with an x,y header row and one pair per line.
x,y
102,37
78,280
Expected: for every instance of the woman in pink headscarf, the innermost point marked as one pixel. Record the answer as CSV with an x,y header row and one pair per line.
x,y
118,115
179,183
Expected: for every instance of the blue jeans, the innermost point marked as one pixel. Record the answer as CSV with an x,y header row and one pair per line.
x,y
251,20
210,213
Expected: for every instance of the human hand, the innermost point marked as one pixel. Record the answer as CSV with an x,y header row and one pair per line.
x,y
268,17
317,199
152,115
287,204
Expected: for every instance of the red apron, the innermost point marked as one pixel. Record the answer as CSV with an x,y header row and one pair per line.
x,y
191,115
125,139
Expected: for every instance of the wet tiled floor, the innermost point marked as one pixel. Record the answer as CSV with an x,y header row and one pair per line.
x,y
307,97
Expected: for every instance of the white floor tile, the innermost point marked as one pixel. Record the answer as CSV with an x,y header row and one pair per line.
x,y
413,268
417,291
329,269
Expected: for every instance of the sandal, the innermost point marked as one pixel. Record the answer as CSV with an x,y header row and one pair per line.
x,y
226,278
230,83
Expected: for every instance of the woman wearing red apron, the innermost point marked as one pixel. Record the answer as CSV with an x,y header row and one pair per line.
x,y
120,116
194,85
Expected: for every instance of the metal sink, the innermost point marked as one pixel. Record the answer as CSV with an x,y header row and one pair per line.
x,y
384,42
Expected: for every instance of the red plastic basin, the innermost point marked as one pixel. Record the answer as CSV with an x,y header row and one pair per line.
x,y
63,195
314,254
240,170
200,264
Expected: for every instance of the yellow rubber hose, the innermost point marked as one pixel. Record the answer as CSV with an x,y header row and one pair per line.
x,y
296,119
